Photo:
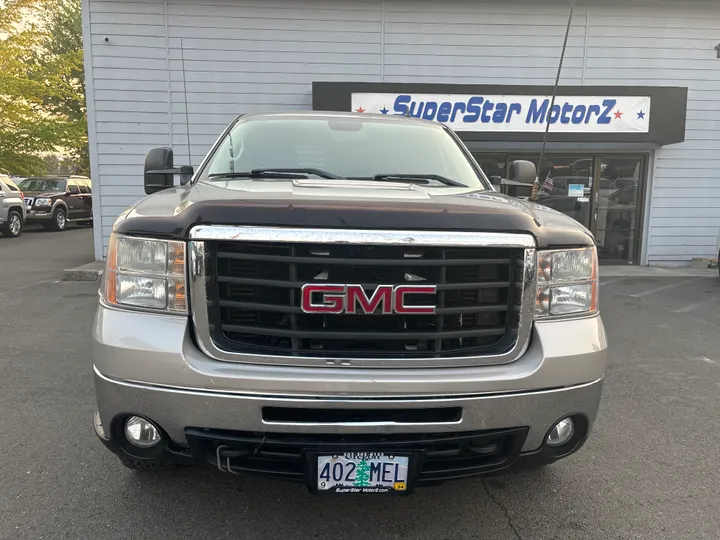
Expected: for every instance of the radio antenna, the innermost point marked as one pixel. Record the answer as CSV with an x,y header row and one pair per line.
x,y
536,185
187,115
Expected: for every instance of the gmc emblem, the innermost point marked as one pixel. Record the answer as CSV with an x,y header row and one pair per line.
x,y
352,299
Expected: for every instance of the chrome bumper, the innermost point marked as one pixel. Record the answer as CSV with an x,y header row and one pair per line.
x,y
175,410
148,365
39,216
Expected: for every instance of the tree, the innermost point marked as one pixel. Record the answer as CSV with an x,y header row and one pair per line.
x,y
65,59
362,474
41,86
57,164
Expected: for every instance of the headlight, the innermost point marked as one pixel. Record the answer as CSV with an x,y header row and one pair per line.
x,y
144,273
43,202
567,283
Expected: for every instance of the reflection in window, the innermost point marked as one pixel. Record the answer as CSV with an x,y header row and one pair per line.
x,y
566,184
617,209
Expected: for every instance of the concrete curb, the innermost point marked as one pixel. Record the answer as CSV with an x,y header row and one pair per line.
x,y
88,272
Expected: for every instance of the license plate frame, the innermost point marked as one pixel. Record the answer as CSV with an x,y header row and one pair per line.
x,y
415,460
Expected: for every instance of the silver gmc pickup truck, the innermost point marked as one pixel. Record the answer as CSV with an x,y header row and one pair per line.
x,y
345,300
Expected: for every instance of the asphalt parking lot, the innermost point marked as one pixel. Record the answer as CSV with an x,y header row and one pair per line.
x,y
649,471
37,254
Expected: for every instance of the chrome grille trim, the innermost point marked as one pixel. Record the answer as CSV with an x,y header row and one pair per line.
x,y
198,290
362,237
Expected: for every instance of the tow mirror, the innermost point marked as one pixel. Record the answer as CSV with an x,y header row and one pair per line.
x,y
159,170
523,171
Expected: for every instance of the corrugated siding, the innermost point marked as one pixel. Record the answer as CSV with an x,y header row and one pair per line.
x,y
259,55
472,41
672,44
130,88
240,56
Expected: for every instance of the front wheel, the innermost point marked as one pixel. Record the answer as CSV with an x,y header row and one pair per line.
x,y
59,220
13,226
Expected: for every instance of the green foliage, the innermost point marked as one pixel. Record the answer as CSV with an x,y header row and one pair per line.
x,y
42,98
65,60
54,164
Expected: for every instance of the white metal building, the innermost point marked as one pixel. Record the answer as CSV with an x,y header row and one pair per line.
x,y
262,55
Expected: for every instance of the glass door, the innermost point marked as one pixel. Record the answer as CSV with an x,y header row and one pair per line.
x,y
566,184
618,208
605,193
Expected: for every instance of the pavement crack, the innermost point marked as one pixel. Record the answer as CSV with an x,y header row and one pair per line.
x,y
503,508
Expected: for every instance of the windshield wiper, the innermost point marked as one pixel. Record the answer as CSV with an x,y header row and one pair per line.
x,y
306,171
277,173
426,177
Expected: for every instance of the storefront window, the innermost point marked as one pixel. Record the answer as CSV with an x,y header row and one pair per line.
x,y
566,184
492,165
497,165
618,208
603,193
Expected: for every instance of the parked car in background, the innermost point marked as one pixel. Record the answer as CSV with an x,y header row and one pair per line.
x,y
55,201
12,208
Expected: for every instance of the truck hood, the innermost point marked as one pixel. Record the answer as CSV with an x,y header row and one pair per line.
x,y
349,205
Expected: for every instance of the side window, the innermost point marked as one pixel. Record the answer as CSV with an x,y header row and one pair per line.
x,y
83,186
72,187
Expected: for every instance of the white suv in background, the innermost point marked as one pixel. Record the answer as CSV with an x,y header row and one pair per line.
x,y
12,208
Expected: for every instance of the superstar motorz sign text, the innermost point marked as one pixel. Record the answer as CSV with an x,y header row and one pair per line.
x,y
465,112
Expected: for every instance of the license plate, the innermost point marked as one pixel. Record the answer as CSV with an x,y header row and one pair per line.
x,y
362,472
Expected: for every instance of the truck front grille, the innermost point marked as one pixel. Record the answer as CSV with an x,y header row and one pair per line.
x,y
253,299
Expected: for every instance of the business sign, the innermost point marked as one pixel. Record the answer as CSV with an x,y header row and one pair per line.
x,y
521,113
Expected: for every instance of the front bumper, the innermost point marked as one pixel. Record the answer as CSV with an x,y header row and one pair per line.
x,y
39,216
237,433
148,365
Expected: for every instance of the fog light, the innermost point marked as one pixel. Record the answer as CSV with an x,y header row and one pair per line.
x,y
141,433
97,424
561,433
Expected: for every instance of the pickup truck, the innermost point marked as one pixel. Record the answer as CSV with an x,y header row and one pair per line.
x,y
346,301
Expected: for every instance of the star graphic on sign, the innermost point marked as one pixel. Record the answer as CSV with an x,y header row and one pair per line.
x,y
618,115
641,115
360,109
384,110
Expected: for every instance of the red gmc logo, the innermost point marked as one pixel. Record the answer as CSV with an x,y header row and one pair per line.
x,y
352,299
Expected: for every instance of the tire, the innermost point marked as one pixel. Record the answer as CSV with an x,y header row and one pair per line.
x,y
147,465
59,220
14,224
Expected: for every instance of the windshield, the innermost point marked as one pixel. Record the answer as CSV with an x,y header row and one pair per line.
x,y
43,184
348,148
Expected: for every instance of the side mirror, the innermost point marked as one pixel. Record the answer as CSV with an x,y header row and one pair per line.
x,y
496,181
523,171
159,171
